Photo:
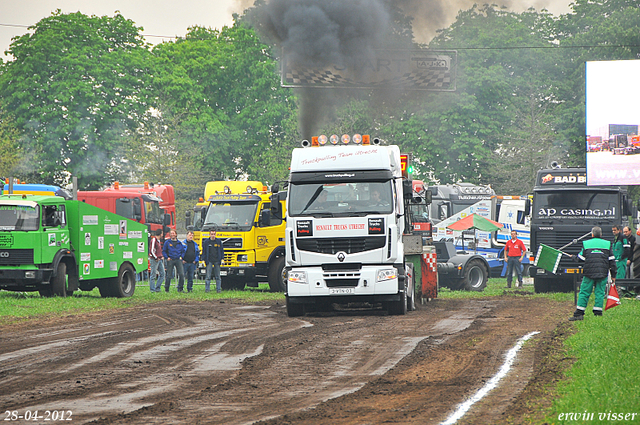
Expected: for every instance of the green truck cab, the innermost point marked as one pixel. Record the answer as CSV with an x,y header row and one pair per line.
x,y
57,246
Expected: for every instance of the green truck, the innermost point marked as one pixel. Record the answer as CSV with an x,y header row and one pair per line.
x,y
57,246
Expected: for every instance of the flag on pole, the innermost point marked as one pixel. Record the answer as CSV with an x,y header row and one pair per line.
x,y
613,299
547,258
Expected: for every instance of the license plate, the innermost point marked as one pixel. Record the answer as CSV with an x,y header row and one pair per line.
x,y
342,291
573,270
223,272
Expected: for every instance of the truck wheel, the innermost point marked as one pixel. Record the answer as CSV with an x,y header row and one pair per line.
x,y
635,261
411,297
276,282
125,284
105,289
475,276
294,310
59,283
398,308
541,285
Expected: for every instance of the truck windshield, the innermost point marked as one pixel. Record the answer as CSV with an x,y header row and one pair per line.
x,y
18,217
226,216
582,205
343,199
153,212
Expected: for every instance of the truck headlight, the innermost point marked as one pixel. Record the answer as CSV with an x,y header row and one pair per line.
x,y
386,274
297,277
243,258
30,275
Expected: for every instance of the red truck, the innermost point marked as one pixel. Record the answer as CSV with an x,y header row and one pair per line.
x,y
137,202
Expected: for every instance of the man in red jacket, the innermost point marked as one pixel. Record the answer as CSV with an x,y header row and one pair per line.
x,y
514,252
156,262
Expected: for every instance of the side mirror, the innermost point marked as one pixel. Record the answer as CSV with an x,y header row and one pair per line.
x,y
137,210
275,206
275,188
527,206
167,219
407,189
428,197
265,218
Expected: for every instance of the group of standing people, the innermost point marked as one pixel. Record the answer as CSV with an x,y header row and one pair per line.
x,y
602,258
183,258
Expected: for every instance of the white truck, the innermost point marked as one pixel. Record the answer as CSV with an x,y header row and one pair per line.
x,y
345,223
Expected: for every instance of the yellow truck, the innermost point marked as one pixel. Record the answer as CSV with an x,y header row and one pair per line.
x,y
253,238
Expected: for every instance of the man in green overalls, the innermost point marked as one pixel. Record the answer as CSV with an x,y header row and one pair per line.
x,y
617,248
598,263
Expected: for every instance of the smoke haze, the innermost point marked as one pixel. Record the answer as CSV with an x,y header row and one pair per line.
x,y
319,33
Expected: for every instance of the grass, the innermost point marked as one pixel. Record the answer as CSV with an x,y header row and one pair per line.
x,y
496,287
20,306
605,378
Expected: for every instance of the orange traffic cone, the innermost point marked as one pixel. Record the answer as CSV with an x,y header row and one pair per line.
x,y
613,299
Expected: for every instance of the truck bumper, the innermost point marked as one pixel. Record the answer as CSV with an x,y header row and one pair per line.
x,y
358,285
23,279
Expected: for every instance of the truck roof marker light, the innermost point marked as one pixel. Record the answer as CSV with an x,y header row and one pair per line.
x,y
146,185
345,139
334,139
366,140
357,139
201,199
264,189
116,185
227,190
314,141
323,140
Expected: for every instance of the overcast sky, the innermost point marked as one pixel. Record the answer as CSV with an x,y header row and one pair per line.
x,y
613,90
170,18
158,17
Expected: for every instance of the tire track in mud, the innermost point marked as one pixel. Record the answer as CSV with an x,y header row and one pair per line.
x,y
209,362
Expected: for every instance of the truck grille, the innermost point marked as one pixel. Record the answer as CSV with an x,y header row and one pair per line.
x,y
6,240
335,245
14,257
341,283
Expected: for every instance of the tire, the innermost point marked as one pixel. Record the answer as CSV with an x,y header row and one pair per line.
x,y
541,286
294,310
398,308
230,283
635,261
276,281
59,282
125,284
475,276
411,297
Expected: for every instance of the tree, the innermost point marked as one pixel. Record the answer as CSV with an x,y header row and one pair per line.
x,y
12,157
224,92
77,84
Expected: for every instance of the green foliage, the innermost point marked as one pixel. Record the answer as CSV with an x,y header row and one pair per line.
x,y
222,93
77,84
11,152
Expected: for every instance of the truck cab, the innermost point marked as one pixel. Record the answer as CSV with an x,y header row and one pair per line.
x,y
344,225
253,238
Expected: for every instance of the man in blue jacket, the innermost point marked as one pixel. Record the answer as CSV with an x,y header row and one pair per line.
x,y
599,261
190,260
213,256
173,250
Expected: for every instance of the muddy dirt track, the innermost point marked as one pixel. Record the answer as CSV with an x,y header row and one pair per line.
x,y
222,362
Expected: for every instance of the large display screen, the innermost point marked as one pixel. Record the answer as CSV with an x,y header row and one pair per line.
x,y
612,119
